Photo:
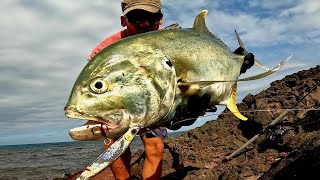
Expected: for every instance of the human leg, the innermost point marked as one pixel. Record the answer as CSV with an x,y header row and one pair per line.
x,y
152,167
121,167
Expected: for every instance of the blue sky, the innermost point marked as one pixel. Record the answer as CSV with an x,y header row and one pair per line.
x,y
44,45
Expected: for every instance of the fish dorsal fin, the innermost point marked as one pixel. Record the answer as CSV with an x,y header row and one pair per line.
x,y
231,104
173,26
200,25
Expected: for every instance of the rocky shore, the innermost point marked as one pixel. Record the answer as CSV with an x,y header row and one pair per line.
x,y
289,150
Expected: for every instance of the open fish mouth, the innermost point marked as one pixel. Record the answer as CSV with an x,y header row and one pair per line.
x,y
94,129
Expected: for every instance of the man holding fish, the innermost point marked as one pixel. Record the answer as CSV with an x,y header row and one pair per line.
x,y
142,83
139,16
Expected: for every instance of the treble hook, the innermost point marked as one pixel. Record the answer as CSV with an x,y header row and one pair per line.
x,y
107,141
103,131
93,130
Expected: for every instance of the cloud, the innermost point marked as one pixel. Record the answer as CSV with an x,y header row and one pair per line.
x,y
294,24
45,43
272,4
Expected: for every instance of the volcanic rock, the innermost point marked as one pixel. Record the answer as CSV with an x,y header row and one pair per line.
x,y
288,150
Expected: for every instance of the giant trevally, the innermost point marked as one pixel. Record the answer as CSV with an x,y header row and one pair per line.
x,y
138,83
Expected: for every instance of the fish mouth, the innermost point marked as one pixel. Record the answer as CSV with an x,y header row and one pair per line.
x,y
93,131
105,126
95,128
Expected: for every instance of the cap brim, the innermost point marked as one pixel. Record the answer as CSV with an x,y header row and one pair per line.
x,y
149,8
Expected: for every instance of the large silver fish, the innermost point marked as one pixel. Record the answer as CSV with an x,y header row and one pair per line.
x,y
138,82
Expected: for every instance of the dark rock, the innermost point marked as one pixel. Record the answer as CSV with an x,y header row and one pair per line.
x,y
303,163
289,150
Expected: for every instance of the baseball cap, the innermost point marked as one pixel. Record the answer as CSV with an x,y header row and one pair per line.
x,y
152,6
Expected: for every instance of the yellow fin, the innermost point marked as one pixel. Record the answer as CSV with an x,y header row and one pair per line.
x,y
232,105
199,22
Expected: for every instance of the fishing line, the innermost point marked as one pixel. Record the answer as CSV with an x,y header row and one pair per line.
x,y
272,110
248,111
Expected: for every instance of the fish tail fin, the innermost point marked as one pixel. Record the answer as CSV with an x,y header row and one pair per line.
x,y
241,50
248,56
249,59
231,104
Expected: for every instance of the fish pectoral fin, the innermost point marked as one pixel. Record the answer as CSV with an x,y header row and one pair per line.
x,y
188,88
194,87
232,106
111,154
200,84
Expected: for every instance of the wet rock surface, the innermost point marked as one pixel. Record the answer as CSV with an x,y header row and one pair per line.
x,y
289,150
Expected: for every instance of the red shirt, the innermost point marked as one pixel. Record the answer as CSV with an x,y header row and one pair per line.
x,y
110,40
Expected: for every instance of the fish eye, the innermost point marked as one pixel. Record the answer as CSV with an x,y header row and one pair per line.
x,y
169,63
99,86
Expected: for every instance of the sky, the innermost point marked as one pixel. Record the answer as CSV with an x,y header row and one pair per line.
x,y
45,43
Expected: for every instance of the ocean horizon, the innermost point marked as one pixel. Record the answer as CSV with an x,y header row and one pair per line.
x,y
52,160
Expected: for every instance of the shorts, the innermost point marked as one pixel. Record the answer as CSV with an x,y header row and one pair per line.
x,y
160,132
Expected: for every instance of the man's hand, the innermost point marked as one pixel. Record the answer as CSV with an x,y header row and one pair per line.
x,y
186,115
248,60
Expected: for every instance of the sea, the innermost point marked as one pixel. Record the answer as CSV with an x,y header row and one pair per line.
x,y
52,160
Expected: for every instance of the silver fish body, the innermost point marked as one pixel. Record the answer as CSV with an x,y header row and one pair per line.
x,y
138,82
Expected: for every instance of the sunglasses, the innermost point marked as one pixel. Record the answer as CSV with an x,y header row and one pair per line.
x,y
137,18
